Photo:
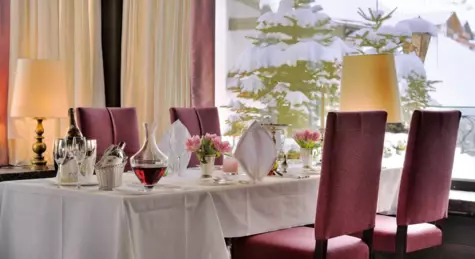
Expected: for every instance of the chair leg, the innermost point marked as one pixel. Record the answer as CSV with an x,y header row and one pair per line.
x,y
321,249
401,242
368,239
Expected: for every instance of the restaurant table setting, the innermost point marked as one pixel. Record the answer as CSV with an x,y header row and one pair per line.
x,y
155,212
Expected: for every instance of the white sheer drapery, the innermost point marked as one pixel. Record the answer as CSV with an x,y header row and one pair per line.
x,y
56,29
156,58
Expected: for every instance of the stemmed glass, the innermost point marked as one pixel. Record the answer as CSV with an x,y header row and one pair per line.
x,y
177,151
91,147
60,152
78,150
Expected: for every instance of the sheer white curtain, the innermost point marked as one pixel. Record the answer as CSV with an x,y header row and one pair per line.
x,y
156,58
56,29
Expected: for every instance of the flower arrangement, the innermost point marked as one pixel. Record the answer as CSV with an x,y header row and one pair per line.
x,y
308,139
208,145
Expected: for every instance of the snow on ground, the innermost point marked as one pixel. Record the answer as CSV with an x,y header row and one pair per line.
x,y
453,64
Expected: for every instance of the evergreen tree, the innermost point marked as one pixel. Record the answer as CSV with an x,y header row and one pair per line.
x,y
294,57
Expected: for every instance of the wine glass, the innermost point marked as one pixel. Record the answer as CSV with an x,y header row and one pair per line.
x,y
60,152
90,160
177,151
78,150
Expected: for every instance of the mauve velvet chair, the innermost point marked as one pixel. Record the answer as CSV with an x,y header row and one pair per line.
x,y
425,186
110,126
198,121
347,196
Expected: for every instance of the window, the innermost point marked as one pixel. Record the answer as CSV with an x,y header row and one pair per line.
x,y
443,80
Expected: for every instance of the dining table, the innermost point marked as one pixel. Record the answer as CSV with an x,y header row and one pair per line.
x,y
183,217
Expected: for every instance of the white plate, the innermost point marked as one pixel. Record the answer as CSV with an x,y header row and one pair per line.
x,y
92,183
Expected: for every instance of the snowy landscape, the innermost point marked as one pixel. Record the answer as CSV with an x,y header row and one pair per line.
x,y
449,59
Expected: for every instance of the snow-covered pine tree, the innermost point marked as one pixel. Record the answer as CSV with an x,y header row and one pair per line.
x,y
292,58
379,38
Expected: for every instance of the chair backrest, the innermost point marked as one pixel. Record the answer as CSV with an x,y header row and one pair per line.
x,y
198,121
110,126
351,168
427,171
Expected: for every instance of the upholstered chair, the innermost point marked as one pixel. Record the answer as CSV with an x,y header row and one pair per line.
x,y
347,196
110,126
425,186
198,121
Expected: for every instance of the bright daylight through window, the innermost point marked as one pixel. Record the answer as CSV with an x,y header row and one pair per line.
x,y
282,59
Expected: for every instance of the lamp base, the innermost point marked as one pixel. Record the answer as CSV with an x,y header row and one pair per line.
x,y
39,147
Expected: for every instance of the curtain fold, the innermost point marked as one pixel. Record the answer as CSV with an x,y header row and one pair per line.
x,y
203,51
61,30
4,71
155,58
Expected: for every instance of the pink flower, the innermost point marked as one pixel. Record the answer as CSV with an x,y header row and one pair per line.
x,y
315,136
210,136
308,135
299,135
193,143
222,146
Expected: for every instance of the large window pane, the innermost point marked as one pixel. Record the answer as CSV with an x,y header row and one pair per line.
x,y
258,76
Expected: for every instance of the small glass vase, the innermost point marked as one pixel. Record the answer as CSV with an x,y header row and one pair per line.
x,y
149,163
306,155
207,166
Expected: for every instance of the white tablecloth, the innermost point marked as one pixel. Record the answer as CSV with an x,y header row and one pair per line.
x,y
183,218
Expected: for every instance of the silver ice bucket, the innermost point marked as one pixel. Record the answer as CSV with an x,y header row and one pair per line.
x,y
110,177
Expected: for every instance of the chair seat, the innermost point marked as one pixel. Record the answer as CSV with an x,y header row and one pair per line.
x,y
296,243
419,236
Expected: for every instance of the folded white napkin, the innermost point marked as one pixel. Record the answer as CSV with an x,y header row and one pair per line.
x,y
256,152
173,144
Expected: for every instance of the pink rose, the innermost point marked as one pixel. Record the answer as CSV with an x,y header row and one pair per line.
x,y
193,143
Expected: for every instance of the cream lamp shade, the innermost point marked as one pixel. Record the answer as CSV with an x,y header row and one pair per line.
x,y
40,89
369,82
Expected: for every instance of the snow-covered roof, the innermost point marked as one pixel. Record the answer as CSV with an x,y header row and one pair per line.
x,y
436,18
452,63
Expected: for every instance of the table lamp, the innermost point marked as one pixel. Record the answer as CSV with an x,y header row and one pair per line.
x,y
39,92
369,83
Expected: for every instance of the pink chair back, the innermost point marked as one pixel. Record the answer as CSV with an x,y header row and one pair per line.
x,y
198,121
351,168
110,126
427,171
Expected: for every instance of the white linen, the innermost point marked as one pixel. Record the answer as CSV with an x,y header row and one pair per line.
x,y
256,152
173,144
184,218
38,220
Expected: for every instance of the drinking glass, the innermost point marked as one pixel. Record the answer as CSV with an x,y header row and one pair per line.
x,y
177,151
90,160
78,150
60,152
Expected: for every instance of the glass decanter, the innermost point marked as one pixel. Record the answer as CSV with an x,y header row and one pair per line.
x,y
149,164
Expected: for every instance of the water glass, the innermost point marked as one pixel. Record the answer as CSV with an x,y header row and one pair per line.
x,y
60,153
78,150
176,151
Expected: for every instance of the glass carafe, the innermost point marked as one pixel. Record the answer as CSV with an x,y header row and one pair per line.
x,y
149,164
